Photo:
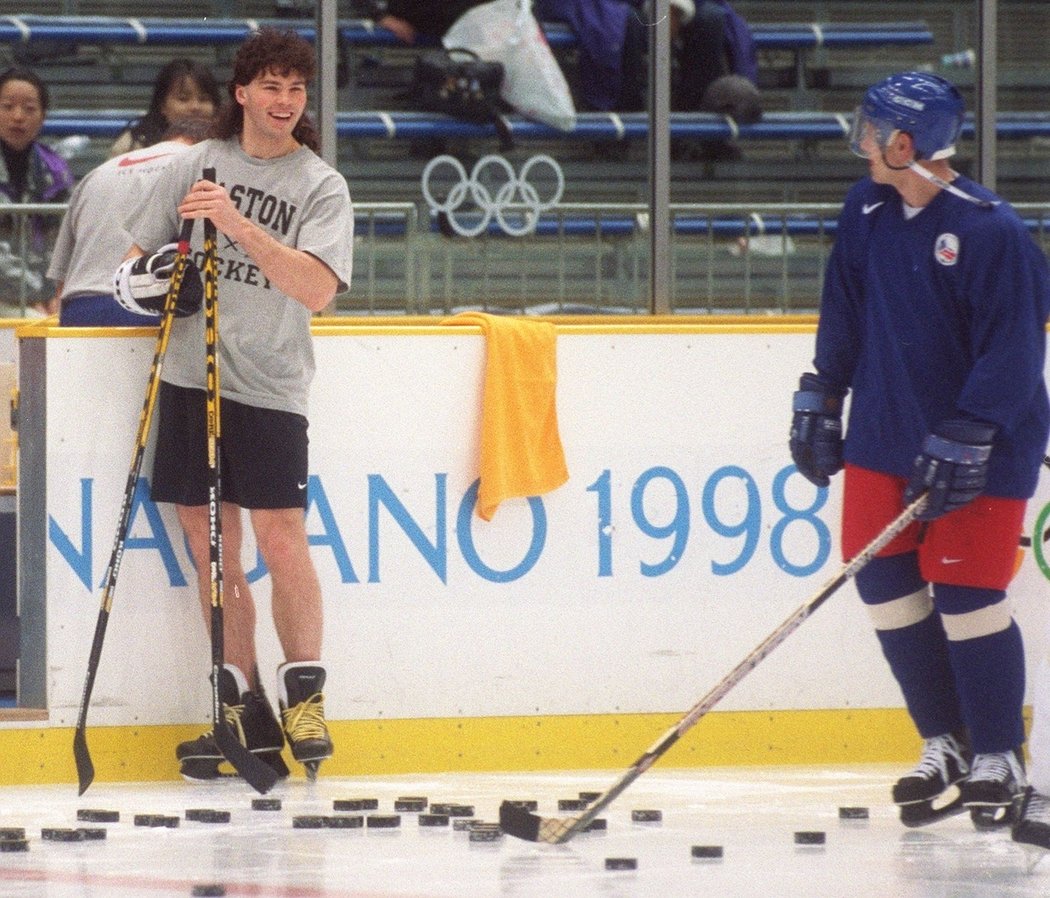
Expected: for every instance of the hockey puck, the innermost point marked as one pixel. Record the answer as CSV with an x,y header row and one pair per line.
x,y
308,821
92,833
344,821
707,852
462,824
13,832
410,805
810,837
208,890
355,804
621,863
572,804
598,824
590,796
853,813
485,834
526,805
266,804
95,815
383,821
52,834
646,816
14,845
207,815
433,819
453,810
156,820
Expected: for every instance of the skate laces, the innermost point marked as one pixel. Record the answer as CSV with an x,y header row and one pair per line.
x,y
233,714
997,767
935,754
306,719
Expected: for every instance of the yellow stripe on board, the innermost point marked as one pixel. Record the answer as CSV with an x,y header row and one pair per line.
x,y
585,742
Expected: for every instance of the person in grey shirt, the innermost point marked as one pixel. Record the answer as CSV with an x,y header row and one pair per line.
x,y
285,225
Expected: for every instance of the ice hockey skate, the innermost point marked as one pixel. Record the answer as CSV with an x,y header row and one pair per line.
x,y
930,792
1032,827
995,783
301,698
253,722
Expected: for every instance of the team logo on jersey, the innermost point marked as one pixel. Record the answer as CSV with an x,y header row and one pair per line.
x,y
946,249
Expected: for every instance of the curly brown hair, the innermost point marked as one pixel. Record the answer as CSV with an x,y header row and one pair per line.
x,y
270,50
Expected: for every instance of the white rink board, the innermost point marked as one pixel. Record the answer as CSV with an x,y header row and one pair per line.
x,y
546,610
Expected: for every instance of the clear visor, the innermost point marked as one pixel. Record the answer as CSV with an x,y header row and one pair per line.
x,y
869,135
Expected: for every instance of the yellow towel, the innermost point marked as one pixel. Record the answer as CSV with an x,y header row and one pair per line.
x,y
521,451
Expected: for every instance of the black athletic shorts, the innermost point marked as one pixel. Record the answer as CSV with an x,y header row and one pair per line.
x,y
262,457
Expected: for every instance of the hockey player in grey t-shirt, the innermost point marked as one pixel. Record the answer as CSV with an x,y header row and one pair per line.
x,y
285,249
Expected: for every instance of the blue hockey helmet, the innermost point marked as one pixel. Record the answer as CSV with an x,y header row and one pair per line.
x,y
926,106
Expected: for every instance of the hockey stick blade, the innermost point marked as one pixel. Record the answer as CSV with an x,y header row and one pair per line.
x,y
255,772
81,753
516,821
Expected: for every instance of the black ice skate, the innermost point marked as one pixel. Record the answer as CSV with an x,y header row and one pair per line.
x,y
926,795
1032,829
252,720
300,687
995,783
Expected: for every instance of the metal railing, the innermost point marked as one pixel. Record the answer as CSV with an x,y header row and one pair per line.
x,y
582,258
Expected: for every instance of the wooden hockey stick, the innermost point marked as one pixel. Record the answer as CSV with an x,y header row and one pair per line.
x,y
520,823
256,772
81,754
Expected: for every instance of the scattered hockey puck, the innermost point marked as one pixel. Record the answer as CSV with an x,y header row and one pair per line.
x,y
598,824
410,805
453,810
572,804
462,824
207,815
92,833
590,796
208,890
853,813
96,815
13,832
646,815
621,863
308,821
344,821
355,804
53,834
485,833
707,852
810,837
383,821
433,819
14,845
156,820
526,805
266,804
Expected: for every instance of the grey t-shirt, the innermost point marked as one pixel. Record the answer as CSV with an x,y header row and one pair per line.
x,y
265,350
92,241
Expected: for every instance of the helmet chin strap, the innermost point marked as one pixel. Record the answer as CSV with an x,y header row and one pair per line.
x,y
923,172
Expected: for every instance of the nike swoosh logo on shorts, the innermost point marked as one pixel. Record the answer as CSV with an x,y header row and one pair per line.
x,y
868,209
951,560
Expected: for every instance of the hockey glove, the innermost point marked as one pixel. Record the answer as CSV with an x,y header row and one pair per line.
x,y
141,285
816,430
952,467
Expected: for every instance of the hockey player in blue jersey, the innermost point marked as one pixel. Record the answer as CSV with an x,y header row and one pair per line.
x,y
933,320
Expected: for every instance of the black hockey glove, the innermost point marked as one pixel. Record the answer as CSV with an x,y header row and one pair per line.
x,y
816,430
952,467
141,285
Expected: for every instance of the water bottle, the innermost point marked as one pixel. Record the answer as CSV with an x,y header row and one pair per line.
x,y
964,59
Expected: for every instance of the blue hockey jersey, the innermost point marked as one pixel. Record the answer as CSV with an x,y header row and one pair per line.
x,y
939,316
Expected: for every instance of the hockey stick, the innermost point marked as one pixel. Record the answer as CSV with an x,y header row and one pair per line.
x,y
81,754
518,822
256,772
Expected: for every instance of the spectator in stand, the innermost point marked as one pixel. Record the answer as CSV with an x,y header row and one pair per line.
x,y
183,89
411,20
30,172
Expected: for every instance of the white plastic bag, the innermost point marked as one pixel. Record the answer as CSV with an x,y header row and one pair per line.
x,y
506,31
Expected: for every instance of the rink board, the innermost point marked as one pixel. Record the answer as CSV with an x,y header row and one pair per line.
x,y
594,614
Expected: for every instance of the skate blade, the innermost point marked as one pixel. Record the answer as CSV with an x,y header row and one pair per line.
x,y
1033,854
310,769
923,813
988,818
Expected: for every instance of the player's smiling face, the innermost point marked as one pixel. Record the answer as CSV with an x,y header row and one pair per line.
x,y
273,103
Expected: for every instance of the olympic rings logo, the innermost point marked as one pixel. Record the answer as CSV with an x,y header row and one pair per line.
x,y
495,191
